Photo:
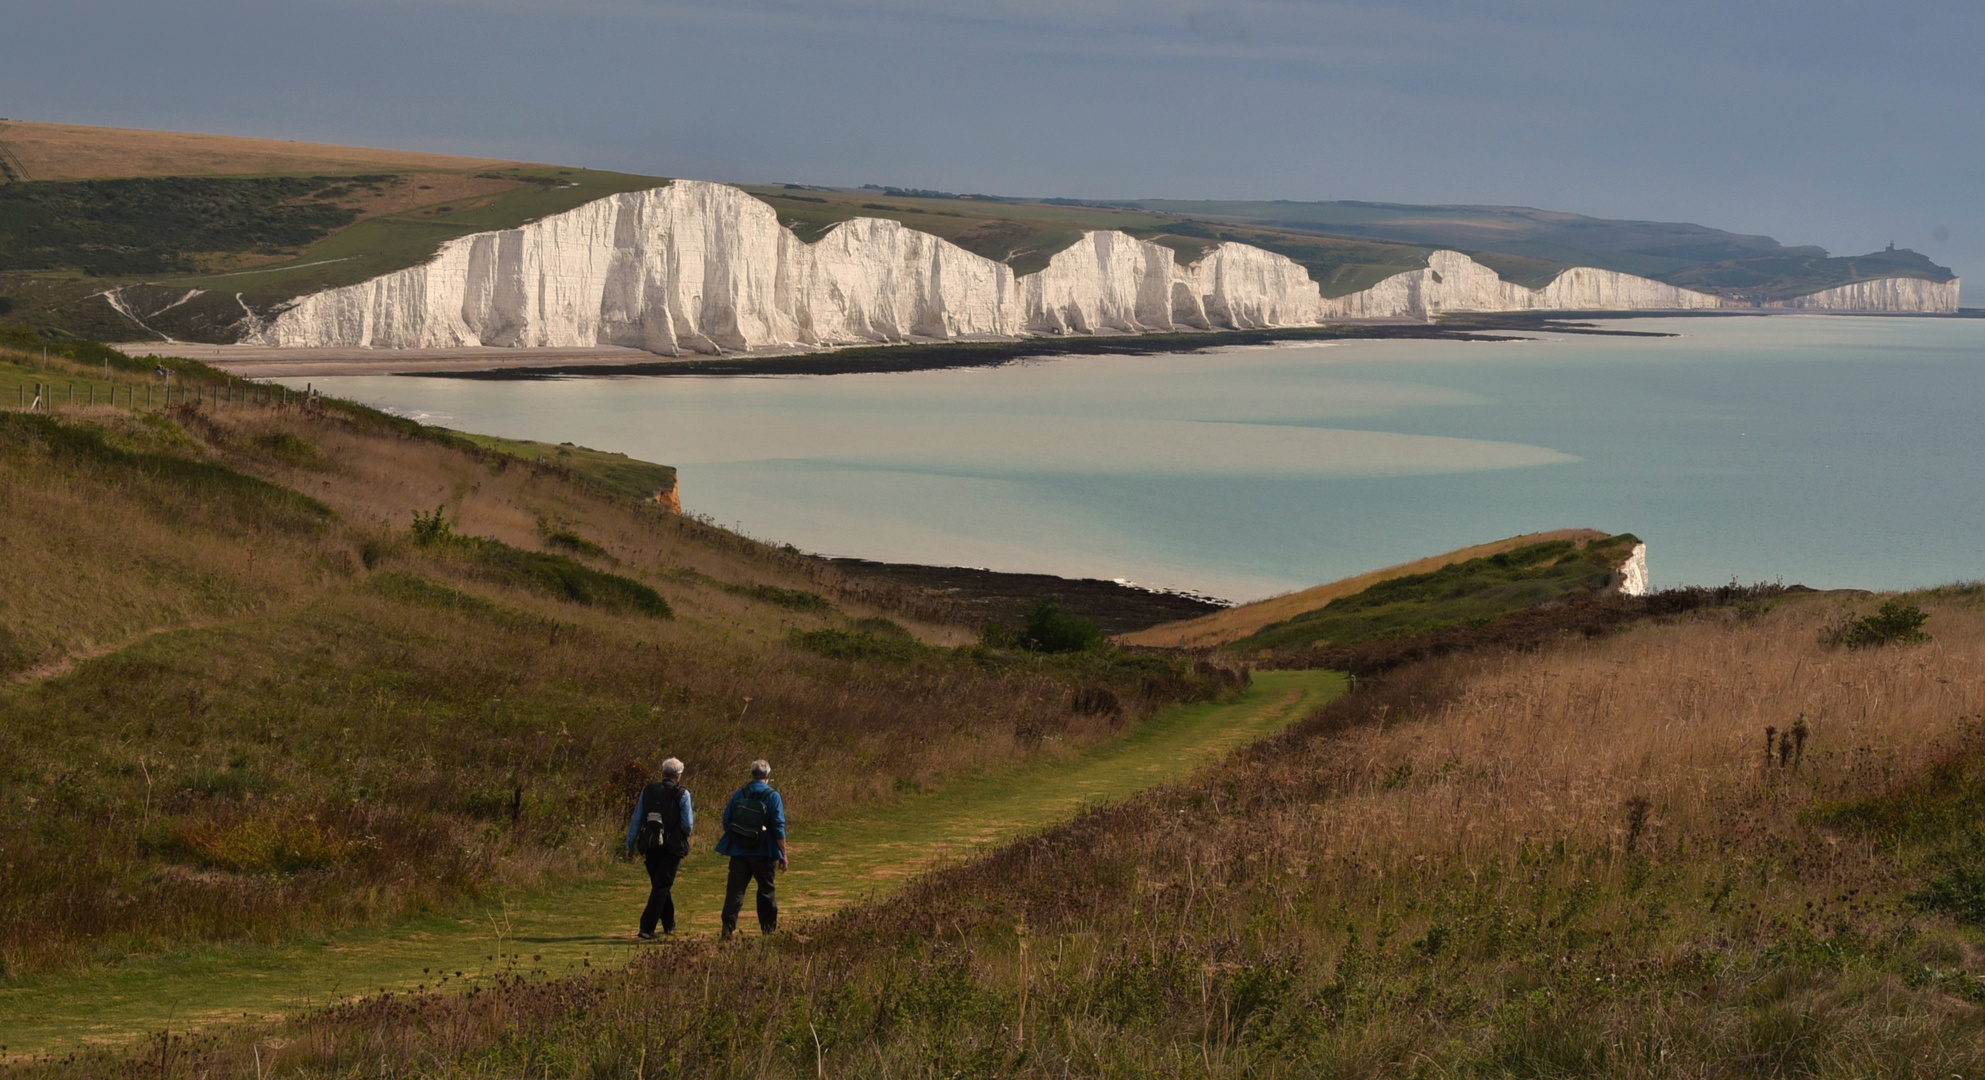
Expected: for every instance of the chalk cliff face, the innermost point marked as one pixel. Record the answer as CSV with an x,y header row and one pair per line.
x,y
1896,294
702,267
1454,282
1242,287
1633,573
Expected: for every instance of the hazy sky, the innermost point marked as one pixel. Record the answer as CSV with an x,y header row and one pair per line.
x,y
1845,124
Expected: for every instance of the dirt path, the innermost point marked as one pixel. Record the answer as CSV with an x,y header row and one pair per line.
x,y
557,931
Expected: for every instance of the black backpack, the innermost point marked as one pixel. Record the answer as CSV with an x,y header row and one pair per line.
x,y
751,817
661,827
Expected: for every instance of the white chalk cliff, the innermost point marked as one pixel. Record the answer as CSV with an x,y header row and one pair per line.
x,y
1892,294
702,267
1633,573
1454,282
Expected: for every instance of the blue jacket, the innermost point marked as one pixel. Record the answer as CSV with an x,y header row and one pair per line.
x,y
730,845
641,811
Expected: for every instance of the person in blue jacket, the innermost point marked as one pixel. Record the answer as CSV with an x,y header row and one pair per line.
x,y
754,836
666,843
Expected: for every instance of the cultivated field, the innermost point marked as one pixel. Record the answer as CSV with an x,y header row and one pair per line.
x,y
76,152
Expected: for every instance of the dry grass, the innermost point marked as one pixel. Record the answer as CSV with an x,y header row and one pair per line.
x,y
1239,621
1569,863
75,152
1561,748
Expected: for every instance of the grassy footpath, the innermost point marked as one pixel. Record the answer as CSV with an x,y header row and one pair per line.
x,y
553,932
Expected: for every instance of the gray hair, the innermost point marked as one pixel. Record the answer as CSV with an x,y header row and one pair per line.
x,y
672,767
761,769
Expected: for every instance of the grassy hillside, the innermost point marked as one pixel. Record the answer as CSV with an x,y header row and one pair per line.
x,y
1718,846
1234,623
1460,593
269,666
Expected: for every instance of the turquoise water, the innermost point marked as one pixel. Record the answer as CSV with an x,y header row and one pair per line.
x,y
1824,450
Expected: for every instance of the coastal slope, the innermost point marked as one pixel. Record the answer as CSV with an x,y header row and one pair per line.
x,y
1229,625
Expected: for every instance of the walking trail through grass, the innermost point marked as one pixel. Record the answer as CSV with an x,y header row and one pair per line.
x,y
556,931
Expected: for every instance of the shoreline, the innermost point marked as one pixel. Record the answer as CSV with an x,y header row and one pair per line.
x,y
508,364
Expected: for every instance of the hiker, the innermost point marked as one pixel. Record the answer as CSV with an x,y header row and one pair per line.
x,y
754,836
659,830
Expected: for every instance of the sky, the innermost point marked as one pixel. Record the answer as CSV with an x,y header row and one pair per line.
x,y
1845,124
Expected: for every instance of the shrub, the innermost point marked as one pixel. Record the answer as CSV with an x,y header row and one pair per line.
x,y
877,626
1957,890
1049,629
573,542
557,537
1894,623
561,577
842,645
790,599
429,529
554,574
291,450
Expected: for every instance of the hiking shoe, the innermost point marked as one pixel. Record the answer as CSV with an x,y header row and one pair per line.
x,y
646,935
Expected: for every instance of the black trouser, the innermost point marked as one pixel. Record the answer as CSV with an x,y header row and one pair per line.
x,y
661,879
745,869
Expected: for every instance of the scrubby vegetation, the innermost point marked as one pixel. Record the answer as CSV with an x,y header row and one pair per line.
x,y
1569,862
1895,623
154,225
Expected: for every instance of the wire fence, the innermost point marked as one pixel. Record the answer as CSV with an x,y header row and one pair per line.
x,y
37,395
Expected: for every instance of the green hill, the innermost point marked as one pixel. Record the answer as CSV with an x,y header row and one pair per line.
x,y
1471,592
273,666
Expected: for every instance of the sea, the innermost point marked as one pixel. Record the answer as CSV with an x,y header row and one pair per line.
x,y
1829,451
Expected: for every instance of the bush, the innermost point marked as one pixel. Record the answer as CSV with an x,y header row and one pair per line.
x,y
563,578
430,529
790,599
1894,623
1958,889
842,645
557,537
1049,629
554,574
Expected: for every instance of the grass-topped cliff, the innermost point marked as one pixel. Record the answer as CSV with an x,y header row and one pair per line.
x,y
1465,592
1531,247
194,232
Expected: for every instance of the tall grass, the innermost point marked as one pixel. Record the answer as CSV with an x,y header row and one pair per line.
x,y
1572,862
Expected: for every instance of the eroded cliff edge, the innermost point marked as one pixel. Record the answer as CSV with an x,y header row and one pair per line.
x,y
706,268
